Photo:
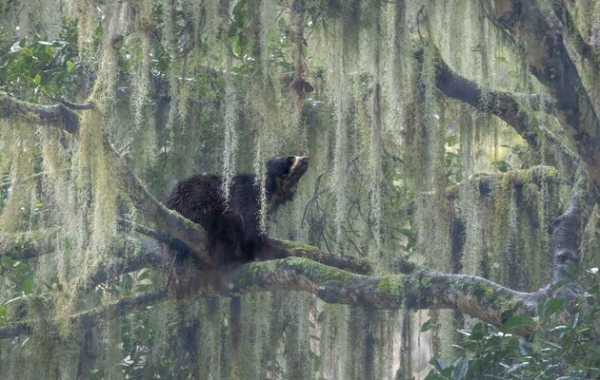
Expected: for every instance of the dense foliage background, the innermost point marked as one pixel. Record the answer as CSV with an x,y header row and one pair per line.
x,y
431,137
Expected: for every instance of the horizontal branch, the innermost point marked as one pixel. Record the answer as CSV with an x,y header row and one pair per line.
x,y
118,308
424,289
148,254
283,248
27,245
59,115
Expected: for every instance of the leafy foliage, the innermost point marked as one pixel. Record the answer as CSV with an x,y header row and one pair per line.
x,y
561,347
40,68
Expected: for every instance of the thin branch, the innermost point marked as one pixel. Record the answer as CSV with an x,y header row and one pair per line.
x,y
148,254
118,308
59,115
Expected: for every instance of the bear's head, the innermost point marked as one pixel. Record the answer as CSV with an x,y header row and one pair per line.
x,y
283,174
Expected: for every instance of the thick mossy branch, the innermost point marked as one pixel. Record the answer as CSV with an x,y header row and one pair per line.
x,y
549,61
472,295
180,228
283,248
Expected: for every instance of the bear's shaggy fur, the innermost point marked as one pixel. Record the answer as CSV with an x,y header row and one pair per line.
x,y
233,228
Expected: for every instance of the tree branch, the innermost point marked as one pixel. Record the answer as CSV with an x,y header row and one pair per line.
x,y
59,115
549,61
148,254
568,229
512,108
180,228
518,177
584,49
472,295
26,245
118,308
171,222
506,106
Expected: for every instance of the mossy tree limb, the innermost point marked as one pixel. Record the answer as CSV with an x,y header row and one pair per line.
x,y
23,246
512,108
567,232
504,105
549,61
423,289
120,307
57,115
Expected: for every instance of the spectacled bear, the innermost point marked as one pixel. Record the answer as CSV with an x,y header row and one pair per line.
x,y
233,227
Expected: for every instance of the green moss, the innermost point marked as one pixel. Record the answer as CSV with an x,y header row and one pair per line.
x,y
288,244
391,284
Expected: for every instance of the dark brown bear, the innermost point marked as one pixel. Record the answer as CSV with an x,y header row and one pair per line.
x,y
233,229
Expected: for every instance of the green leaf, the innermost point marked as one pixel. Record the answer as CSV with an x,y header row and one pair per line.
x,y
452,139
70,66
502,166
517,321
427,326
477,332
38,79
552,306
439,364
461,367
144,273
27,286
143,288
435,376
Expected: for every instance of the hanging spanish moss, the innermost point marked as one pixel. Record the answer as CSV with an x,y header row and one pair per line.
x,y
218,86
